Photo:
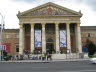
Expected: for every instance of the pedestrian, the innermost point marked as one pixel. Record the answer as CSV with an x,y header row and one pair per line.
x,y
12,58
21,57
47,56
17,57
28,57
50,56
43,56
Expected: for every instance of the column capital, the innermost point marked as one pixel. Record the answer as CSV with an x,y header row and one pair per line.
x,y
78,24
68,23
43,23
56,23
32,24
21,25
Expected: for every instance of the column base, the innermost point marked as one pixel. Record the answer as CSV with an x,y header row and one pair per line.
x,y
65,56
81,55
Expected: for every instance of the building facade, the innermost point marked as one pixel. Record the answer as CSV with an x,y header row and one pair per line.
x,y
11,37
48,28
88,33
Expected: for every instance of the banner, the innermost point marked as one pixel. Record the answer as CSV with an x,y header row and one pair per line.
x,y
38,38
62,38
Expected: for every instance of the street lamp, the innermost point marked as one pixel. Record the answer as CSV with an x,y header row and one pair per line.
x,y
1,29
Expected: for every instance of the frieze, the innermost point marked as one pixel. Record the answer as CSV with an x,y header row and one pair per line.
x,y
48,20
48,11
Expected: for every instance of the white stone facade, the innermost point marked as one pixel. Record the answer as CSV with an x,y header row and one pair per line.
x,y
71,17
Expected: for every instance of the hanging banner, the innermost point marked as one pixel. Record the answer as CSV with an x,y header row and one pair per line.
x,y
62,38
37,38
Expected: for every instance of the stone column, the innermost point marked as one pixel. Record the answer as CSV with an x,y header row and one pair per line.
x,y
21,39
32,38
76,42
79,38
68,38
43,38
57,38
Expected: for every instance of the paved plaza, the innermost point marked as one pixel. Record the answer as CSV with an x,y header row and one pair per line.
x,y
56,66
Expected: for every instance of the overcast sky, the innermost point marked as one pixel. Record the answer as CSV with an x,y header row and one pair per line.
x,y
9,9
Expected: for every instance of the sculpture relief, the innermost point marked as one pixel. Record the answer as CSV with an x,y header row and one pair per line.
x,y
48,11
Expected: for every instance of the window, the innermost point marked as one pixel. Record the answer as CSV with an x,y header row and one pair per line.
x,y
17,35
7,36
17,48
88,34
81,34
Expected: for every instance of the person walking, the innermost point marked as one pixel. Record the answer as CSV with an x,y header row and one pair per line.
x,y
43,56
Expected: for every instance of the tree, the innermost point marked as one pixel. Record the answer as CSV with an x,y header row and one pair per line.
x,y
91,48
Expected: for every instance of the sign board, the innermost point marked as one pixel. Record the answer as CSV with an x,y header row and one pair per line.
x,y
2,47
68,51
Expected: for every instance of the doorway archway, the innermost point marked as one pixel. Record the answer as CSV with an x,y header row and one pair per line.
x,y
50,46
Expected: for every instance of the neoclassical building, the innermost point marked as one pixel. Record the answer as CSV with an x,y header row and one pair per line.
x,y
50,28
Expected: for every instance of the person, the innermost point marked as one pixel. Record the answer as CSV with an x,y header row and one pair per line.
x,y
12,58
28,57
43,56
21,57
17,58
49,56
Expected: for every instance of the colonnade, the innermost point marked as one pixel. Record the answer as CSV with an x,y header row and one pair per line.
x,y
78,37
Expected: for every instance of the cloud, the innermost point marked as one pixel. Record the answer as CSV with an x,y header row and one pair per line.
x,y
91,3
89,17
10,8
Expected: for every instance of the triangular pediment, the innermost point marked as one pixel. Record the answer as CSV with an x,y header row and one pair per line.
x,y
49,9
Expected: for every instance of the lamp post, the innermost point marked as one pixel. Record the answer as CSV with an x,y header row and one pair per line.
x,y
1,29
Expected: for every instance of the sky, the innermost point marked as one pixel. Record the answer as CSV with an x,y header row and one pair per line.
x,y
9,9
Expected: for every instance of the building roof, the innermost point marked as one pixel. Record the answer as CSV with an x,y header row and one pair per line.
x,y
42,10
88,27
11,30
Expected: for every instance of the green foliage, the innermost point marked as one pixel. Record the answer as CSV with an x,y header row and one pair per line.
x,y
92,56
91,48
8,57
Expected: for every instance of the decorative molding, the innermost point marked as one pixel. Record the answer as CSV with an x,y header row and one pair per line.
x,y
68,23
78,24
21,25
32,24
43,24
49,9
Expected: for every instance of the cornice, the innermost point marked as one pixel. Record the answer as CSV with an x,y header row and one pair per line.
x,y
49,16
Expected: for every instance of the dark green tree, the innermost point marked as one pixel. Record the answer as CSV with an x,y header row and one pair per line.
x,y
91,48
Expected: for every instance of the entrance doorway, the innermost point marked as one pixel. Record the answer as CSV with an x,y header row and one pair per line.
x,y
50,48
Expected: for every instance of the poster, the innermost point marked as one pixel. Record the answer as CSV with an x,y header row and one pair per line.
x,y
62,38
38,38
